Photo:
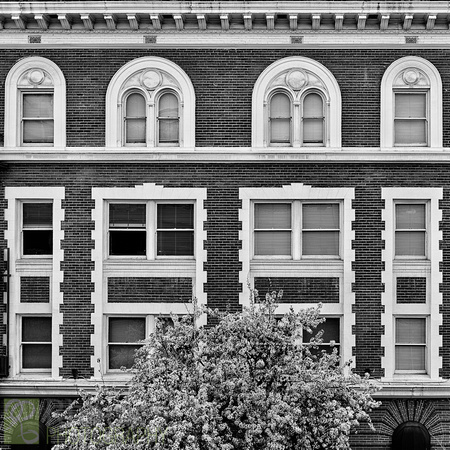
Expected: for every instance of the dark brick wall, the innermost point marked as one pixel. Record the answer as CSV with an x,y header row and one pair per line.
x,y
34,289
223,80
301,290
411,290
222,204
149,290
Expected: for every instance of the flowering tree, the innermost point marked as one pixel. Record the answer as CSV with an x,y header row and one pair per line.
x,y
247,383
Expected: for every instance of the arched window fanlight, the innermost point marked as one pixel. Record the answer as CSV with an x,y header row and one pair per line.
x,y
411,436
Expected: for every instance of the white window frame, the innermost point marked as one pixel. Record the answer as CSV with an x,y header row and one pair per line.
x,y
42,267
157,117
22,343
426,230
310,267
434,100
22,229
149,328
151,229
269,117
14,89
297,230
425,345
412,267
325,123
330,92
134,267
120,85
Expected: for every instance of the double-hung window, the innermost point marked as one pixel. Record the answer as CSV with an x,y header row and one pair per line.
x,y
410,230
297,230
168,120
135,119
124,338
37,118
410,344
151,229
330,336
37,229
36,343
411,118
280,120
313,120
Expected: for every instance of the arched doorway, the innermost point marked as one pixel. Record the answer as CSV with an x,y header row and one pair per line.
x,y
411,436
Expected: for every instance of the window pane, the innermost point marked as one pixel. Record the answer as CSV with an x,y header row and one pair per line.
x,y
38,105
320,243
321,216
313,131
38,131
410,217
313,106
168,130
37,242
36,356
410,358
126,329
136,131
127,243
330,330
127,215
410,243
272,215
410,105
122,356
37,215
280,119
36,329
175,243
410,331
272,242
410,132
135,106
175,216
168,106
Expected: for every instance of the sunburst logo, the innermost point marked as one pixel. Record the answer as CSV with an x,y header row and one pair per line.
x,y
21,421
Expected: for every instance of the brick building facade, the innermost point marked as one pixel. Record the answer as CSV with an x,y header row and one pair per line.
x,y
156,151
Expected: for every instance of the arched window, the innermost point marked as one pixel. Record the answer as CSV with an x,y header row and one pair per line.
x,y
168,119
313,116
150,102
35,104
411,104
135,119
411,436
280,118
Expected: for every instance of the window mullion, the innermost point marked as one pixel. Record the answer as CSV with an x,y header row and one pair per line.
x,y
296,230
151,230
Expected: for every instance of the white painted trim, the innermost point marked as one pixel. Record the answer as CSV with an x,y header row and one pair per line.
x,y
12,99
116,90
342,269
261,92
426,268
15,197
103,267
434,100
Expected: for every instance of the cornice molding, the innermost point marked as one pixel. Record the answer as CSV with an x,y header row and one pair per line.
x,y
205,16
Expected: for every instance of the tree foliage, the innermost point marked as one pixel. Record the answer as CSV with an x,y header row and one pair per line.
x,y
247,383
